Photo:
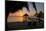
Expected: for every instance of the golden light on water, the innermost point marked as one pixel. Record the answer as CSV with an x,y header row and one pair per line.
x,y
18,16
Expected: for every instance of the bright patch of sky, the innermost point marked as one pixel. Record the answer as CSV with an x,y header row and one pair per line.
x,y
40,7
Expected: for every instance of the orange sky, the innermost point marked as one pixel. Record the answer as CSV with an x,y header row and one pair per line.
x,y
39,6
20,13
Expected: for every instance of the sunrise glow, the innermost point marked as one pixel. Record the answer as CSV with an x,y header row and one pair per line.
x,y
18,16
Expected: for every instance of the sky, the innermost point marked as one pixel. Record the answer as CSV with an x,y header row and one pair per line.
x,y
39,6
